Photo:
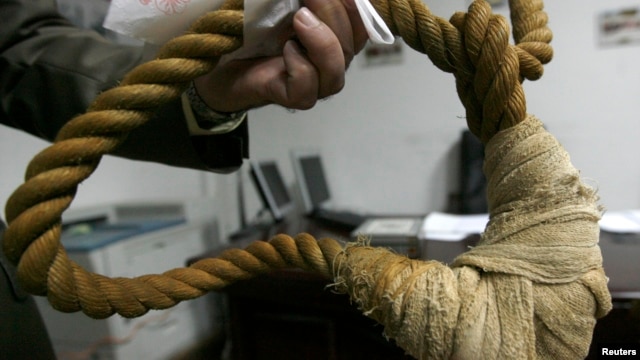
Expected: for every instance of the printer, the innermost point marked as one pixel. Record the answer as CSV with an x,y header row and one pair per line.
x,y
129,240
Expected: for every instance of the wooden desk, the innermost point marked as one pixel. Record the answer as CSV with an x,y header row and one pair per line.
x,y
290,314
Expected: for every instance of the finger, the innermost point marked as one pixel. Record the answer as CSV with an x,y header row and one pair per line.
x,y
297,86
334,14
239,84
360,36
323,50
290,80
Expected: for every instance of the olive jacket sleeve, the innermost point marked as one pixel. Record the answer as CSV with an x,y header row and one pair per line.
x,y
50,71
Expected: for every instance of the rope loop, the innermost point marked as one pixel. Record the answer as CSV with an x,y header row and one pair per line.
x,y
537,202
473,46
34,210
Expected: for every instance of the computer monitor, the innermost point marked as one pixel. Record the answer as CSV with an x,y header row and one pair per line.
x,y
314,190
271,188
473,183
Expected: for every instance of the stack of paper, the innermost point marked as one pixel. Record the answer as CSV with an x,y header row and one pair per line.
x,y
397,233
389,229
452,227
626,221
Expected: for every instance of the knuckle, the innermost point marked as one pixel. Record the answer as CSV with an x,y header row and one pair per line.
x,y
304,102
300,96
333,86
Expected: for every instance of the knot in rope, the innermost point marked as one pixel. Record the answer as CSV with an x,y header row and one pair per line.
x,y
532,286
475,48
530,289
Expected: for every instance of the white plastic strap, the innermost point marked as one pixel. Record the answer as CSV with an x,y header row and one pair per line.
x,y
378,31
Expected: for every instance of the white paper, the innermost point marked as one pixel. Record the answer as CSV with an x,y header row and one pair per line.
x,y
452,227
391,226
627,221
155,21
267,22
267,26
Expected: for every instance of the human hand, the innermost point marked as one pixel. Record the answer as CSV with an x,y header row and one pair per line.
x,y
329,33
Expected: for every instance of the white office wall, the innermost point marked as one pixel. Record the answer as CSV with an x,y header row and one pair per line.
x,y
589,100
389,138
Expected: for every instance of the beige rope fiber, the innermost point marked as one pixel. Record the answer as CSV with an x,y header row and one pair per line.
x,y
532,287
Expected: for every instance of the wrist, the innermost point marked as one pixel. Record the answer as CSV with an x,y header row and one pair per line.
x,y
202,120
205,116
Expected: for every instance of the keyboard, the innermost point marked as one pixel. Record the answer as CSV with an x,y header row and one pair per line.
x,y
346,220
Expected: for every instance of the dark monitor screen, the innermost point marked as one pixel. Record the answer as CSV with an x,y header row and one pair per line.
x,y
272,189
473,183
312,182
314,178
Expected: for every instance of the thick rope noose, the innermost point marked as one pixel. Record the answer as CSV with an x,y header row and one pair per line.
x,y
511,287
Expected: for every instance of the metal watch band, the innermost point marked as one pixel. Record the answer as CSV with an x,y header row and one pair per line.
x,y
207,118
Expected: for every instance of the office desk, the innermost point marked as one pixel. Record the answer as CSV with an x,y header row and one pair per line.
x,y
290,314
621,261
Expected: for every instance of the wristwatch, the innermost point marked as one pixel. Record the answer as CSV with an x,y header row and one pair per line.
x,y
205,117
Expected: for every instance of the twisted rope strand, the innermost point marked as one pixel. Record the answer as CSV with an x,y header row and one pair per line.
x,y
488,87
432,311
474,47
34,210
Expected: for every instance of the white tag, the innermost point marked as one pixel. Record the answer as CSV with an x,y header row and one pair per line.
x,y
378,31
267,22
